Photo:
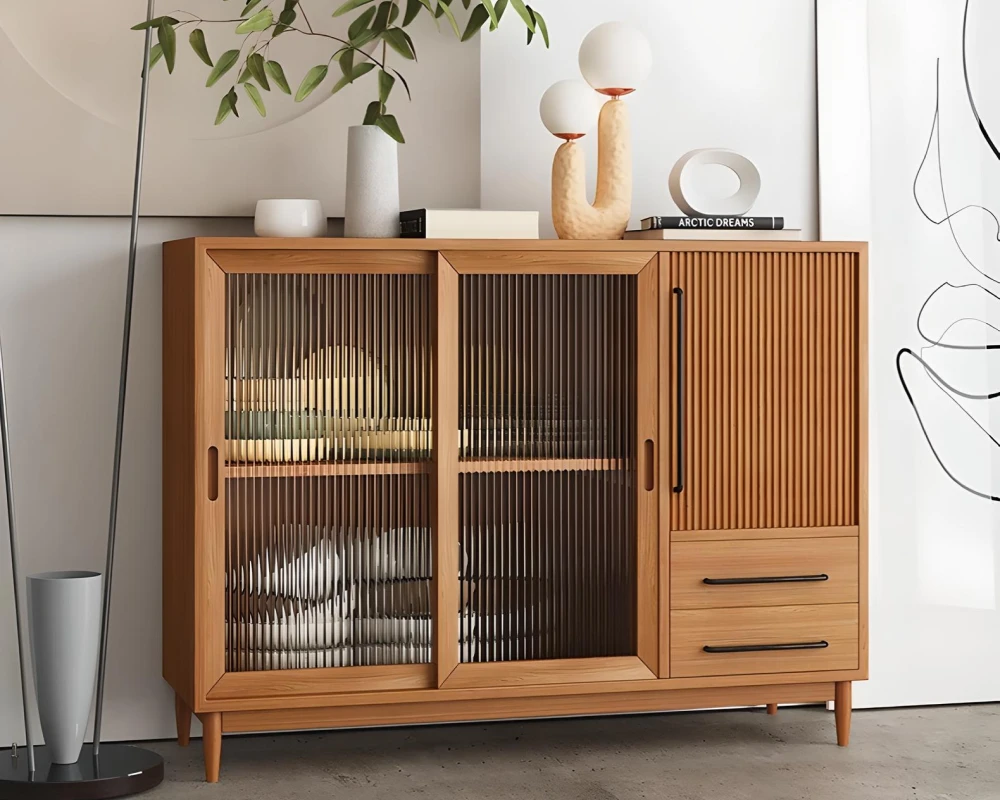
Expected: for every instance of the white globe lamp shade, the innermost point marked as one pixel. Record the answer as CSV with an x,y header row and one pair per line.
x,y
615,58
569,109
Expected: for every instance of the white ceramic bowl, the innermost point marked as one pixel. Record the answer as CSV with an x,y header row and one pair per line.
x,y
300,218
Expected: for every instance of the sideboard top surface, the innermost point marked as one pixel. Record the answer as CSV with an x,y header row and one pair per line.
x,y
540,245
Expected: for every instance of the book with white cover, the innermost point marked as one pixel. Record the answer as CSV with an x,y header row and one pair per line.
x,y
783,235
468,223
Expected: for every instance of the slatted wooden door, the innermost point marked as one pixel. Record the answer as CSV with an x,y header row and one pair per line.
x,y
553,358
760,391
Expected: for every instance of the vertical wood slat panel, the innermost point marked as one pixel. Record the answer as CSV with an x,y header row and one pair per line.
x,y
770,390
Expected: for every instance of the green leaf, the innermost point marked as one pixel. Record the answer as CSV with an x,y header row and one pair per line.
x,y
540,24
406,86
387,122
285,20
465,4
249,7
313,78
277,75
446,10
345,58
412,9
245,75
385,83
350,5
477,19
523,13
197,41
155,22
222,66
494,19
167,37
382,17
500,6
353,75
260,21
255,63
372,113
255,98
400,41
227,107
360,25
155,54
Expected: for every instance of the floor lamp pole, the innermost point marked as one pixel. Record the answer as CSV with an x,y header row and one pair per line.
x,y
15,568
122,383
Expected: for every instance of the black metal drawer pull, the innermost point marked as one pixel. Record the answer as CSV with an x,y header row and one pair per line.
x,y
775,579
760,648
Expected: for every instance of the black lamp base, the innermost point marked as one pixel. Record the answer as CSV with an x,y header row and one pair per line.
x,y
119,770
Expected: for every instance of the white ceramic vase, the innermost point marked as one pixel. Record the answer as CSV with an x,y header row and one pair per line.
x,y
64,620
371,206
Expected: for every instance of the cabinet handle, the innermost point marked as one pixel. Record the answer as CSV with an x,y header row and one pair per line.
x,y
213,473
679,486
650,466
774,579
758,648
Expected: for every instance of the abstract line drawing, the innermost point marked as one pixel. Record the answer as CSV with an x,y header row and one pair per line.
x,y
952,403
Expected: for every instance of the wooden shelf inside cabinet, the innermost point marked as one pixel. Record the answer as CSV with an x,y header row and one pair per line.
x,y
317,470
540,465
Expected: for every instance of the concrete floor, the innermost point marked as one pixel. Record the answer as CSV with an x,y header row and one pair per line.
x,y
943,752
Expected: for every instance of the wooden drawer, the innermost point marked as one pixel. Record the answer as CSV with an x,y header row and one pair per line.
x,y
799,630
763,572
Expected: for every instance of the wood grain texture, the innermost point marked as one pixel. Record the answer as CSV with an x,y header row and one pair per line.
x,y
858,382
769,342
179,521
692,630
555,670
445,475
525,707
182,715
723,535
317,262
211,742
692,562
772,709
842,710
545,262
647,485
319,470
334,680
210,515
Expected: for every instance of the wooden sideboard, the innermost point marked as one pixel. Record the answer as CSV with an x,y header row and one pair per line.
x,y
414,481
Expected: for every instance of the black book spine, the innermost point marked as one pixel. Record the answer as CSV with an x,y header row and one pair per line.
x,y
714,223
413,224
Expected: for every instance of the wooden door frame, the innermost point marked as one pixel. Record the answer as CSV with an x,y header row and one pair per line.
x,y
645,664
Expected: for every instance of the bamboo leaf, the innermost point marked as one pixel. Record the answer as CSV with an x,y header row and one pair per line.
x,y
491,10
155,54
249,7
385,84
222,66
255,63
227,107
372,113
350,5
540,24
260,21
387,122
446,10
360,24
523,13
346,61
382,17
245,74
167,38
255,98
285,20
197,42
499,6
477,19
353,75
402,80
313,78
400,41
412,9
277,75
155,22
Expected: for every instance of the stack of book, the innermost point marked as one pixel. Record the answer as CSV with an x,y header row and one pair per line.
x,y
467,223
716,228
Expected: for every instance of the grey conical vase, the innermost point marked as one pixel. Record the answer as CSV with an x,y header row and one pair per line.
x,y
64,621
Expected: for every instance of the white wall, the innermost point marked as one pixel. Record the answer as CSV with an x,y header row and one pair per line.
x,y
726,73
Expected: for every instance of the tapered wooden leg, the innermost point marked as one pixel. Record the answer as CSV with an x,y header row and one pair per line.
x,y
183,714
772,708
842,711
211,724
